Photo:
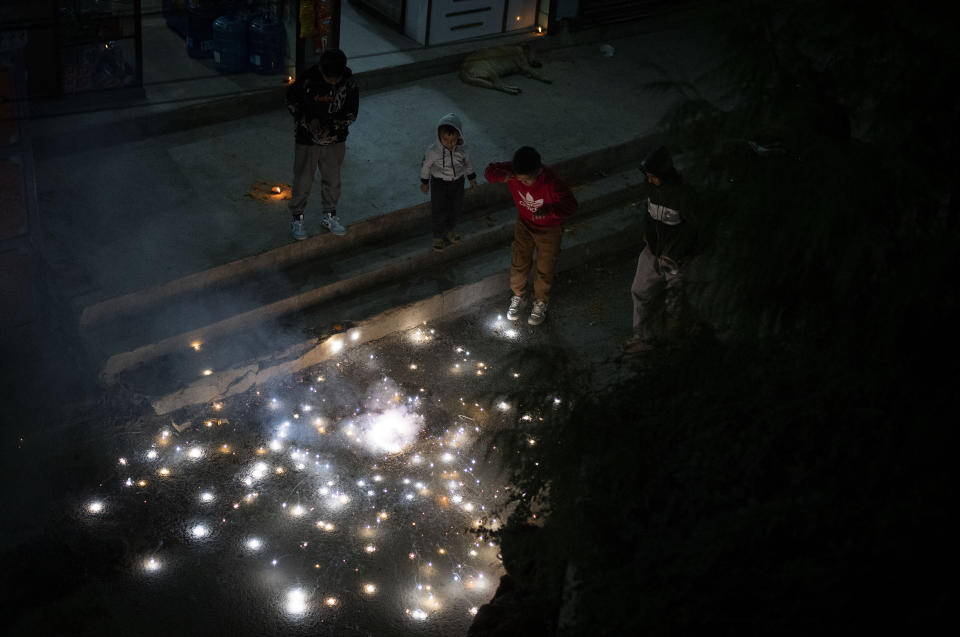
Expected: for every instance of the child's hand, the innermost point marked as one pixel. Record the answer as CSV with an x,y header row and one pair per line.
x,y
473,182
424,188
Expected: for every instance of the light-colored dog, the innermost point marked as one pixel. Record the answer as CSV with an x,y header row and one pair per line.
x,y
485,68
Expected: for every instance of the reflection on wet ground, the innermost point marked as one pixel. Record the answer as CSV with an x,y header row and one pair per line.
x,y
344,501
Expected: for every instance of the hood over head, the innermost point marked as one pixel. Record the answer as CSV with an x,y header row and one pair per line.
x,y
658,162
450,119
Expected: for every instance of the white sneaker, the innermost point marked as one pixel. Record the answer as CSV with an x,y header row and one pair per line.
x,y
538,313
516,304
332,223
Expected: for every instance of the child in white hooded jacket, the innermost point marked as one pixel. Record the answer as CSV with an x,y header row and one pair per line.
x,y
445,164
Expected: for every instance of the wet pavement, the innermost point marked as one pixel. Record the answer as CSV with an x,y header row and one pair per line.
x,y
342,501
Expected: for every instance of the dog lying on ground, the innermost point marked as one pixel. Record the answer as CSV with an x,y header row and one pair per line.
x,y
485,68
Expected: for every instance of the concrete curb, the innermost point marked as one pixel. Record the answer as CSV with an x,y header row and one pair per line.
x,y
118,363
368,230
574,170
360,282
308,353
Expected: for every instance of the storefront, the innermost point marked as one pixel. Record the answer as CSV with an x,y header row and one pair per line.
x,y
90,46
87,46
98,44
432,22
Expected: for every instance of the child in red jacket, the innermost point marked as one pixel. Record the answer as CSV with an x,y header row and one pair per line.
x,y
544,203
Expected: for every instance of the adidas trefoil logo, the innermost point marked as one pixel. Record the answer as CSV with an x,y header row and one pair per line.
x,y
530,203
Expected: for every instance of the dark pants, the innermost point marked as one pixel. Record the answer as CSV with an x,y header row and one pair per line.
x,y
446,204
648,281
306,160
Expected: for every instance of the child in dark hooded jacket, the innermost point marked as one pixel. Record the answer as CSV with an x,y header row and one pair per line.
x,y
670,241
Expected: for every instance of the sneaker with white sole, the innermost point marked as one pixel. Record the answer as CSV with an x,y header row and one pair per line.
x,y
538,313
516,304
332,223
296,226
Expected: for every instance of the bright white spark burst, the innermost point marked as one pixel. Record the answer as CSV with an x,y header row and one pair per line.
x,y
381,431
390,431
296,601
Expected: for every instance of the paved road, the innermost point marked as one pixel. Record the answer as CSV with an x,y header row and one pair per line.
x,y
214,562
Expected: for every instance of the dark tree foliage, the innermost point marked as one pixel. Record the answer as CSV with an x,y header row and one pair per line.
x,y
787,471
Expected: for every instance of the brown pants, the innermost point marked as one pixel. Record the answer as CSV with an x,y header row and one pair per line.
x,y
546,241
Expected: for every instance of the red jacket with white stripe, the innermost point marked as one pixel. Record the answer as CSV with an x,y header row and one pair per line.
x,y
545,204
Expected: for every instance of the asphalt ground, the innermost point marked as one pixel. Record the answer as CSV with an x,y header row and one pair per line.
x,y
85,528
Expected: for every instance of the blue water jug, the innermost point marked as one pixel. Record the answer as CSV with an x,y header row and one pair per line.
x,y
266,44
175,13
230,43
200,17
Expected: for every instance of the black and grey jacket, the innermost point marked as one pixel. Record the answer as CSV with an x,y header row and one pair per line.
x,y
441,162
669,225
323,112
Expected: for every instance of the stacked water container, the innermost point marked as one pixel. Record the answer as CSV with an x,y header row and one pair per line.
x,y
175,13
266,44
230,43
200,17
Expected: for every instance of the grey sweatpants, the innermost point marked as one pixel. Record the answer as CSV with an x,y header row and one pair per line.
x,y
306,160
645,282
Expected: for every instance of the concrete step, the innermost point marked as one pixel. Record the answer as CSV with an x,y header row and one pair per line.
x,y
231,363
197,317
122,332
95,312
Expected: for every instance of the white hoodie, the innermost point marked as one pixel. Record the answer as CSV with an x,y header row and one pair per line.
x,y
444,163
